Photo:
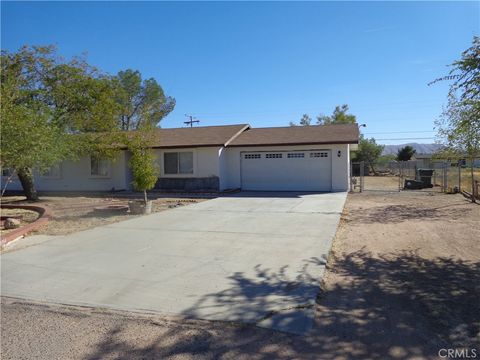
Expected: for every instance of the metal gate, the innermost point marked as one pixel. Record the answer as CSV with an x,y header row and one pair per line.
x,y
391,177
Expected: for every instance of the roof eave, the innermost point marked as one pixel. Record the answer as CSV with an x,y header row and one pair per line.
x,y
296,143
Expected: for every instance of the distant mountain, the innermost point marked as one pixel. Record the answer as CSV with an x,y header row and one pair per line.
x,y
420,148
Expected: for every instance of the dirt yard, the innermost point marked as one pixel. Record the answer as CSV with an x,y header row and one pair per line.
x,y
24,216
73,213
403,282
404,276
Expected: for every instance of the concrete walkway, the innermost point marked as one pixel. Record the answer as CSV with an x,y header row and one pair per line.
x,y
253,257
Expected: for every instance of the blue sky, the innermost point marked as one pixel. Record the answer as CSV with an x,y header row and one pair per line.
x,y
267,63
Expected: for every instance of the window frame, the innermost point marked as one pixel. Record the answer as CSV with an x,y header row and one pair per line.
x,y
274,155
59,176
319,154
252,156
296,155
178,173
97,176
9,170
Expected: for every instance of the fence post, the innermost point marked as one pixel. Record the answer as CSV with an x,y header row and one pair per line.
x,y
459,177
351,176
444,169
445,177
400,175
362,173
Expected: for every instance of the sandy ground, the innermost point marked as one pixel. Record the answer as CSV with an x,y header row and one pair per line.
x,y
75,213
403,281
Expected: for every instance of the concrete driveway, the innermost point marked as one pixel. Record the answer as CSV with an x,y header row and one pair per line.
x,y
252,257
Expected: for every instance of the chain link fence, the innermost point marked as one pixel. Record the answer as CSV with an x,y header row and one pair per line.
x,y
447,176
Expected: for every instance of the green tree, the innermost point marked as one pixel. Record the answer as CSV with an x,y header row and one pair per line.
x,y
384,160
405,153
46,101
145,170
368,151
459,126
142,103
304,121
340,116
459,129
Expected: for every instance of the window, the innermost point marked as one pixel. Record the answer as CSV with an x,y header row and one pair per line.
x,y
178,163
253,156
319,154
273,156
54,171
99,167
6,172
295,155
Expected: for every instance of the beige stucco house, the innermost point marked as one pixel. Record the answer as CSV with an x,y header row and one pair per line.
x,y
217,158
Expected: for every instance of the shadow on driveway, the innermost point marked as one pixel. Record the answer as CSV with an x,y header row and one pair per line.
x,y
399,305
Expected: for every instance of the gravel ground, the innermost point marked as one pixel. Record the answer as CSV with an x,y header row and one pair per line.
x,y
403,281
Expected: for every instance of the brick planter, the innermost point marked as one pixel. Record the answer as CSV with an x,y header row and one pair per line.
x,y
45,215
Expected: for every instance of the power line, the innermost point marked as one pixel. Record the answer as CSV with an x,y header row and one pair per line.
x,y
415,138
191,121
294,112
400,132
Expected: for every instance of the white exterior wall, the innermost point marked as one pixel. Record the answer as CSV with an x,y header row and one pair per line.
x,y
340,165
75,176
205,162
341,174
14,183
223,168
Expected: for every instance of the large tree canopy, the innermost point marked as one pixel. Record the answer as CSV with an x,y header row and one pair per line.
x,y
465,73
459,126
142,103
45,102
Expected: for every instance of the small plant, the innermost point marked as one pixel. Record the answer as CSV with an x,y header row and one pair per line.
x,y
144,169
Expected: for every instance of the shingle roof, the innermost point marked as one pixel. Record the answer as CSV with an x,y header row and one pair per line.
x,y
243,135
197,136
298,135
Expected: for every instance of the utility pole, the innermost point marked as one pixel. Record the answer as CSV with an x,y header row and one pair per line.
x,y
191,121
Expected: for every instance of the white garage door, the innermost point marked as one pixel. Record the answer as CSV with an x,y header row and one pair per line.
x,y
287,170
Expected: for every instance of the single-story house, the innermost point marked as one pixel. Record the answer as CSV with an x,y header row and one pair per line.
x,y
217,158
